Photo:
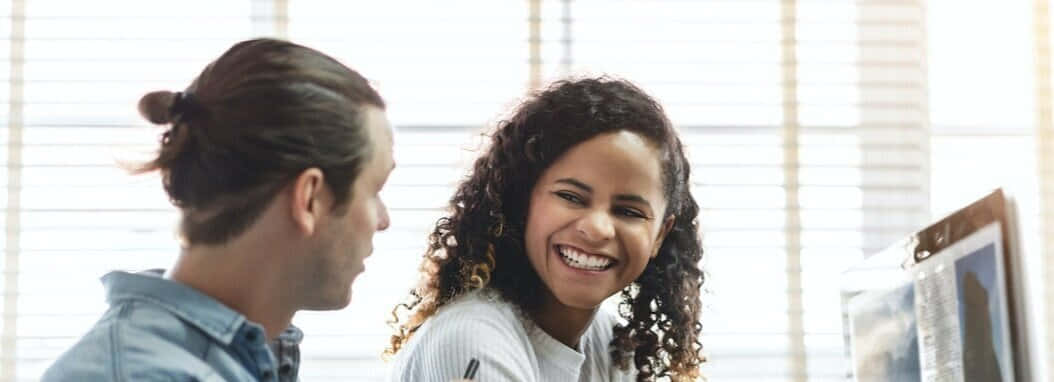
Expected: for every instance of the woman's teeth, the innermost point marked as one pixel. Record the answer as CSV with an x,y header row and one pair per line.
x,y
579,260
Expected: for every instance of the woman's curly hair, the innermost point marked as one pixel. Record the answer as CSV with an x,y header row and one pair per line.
x,y
480,243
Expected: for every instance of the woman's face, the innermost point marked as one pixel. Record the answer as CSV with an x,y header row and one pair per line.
x,y
596,218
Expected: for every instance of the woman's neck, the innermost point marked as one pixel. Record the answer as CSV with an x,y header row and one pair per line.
x,y
564,323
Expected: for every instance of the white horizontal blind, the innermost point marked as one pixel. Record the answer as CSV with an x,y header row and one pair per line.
x,y
84,66
446,70
1044,136
12,192
864,152
984,110
983,106
807,123
777,228
716,68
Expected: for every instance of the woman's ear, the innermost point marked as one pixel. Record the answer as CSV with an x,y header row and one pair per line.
x,y
667,225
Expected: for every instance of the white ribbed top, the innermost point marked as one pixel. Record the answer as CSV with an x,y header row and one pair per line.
x,y
509,348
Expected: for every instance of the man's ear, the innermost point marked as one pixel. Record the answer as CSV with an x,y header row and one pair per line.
x,y
306,203
667,225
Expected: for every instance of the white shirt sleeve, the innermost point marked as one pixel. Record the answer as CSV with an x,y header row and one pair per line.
x,y
448,341
603,334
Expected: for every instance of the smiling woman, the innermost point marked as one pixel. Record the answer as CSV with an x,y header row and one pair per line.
x,y
582,194
592,227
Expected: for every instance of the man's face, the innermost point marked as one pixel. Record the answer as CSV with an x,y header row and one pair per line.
x,y
346,237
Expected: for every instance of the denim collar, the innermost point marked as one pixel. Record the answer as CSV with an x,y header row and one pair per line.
x,y
212,317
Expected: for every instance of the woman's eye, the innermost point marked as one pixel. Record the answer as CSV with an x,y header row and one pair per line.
x,y
570,197
630,212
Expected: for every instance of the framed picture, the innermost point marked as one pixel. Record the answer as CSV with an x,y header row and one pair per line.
x,y
947,303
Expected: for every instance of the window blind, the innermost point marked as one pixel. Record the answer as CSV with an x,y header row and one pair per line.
x,y
806,126
819,132
78,69
447,70
1044,137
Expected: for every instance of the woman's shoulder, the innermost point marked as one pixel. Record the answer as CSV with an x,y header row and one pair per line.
x,y
604,323
483,301
477,312
598,347
477,325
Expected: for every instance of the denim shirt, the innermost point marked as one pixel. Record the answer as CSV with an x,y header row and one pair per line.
x,y
161,330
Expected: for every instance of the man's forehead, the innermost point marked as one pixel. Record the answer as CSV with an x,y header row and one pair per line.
x,y
377,120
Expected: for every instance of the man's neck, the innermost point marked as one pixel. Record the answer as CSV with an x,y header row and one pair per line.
x,y
239,280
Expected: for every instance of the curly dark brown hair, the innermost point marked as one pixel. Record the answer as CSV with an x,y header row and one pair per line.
x,y
480,243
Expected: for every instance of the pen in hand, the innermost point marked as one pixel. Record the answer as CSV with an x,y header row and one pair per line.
x,y
470,372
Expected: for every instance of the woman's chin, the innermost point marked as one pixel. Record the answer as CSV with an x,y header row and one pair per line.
x,y
582,301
